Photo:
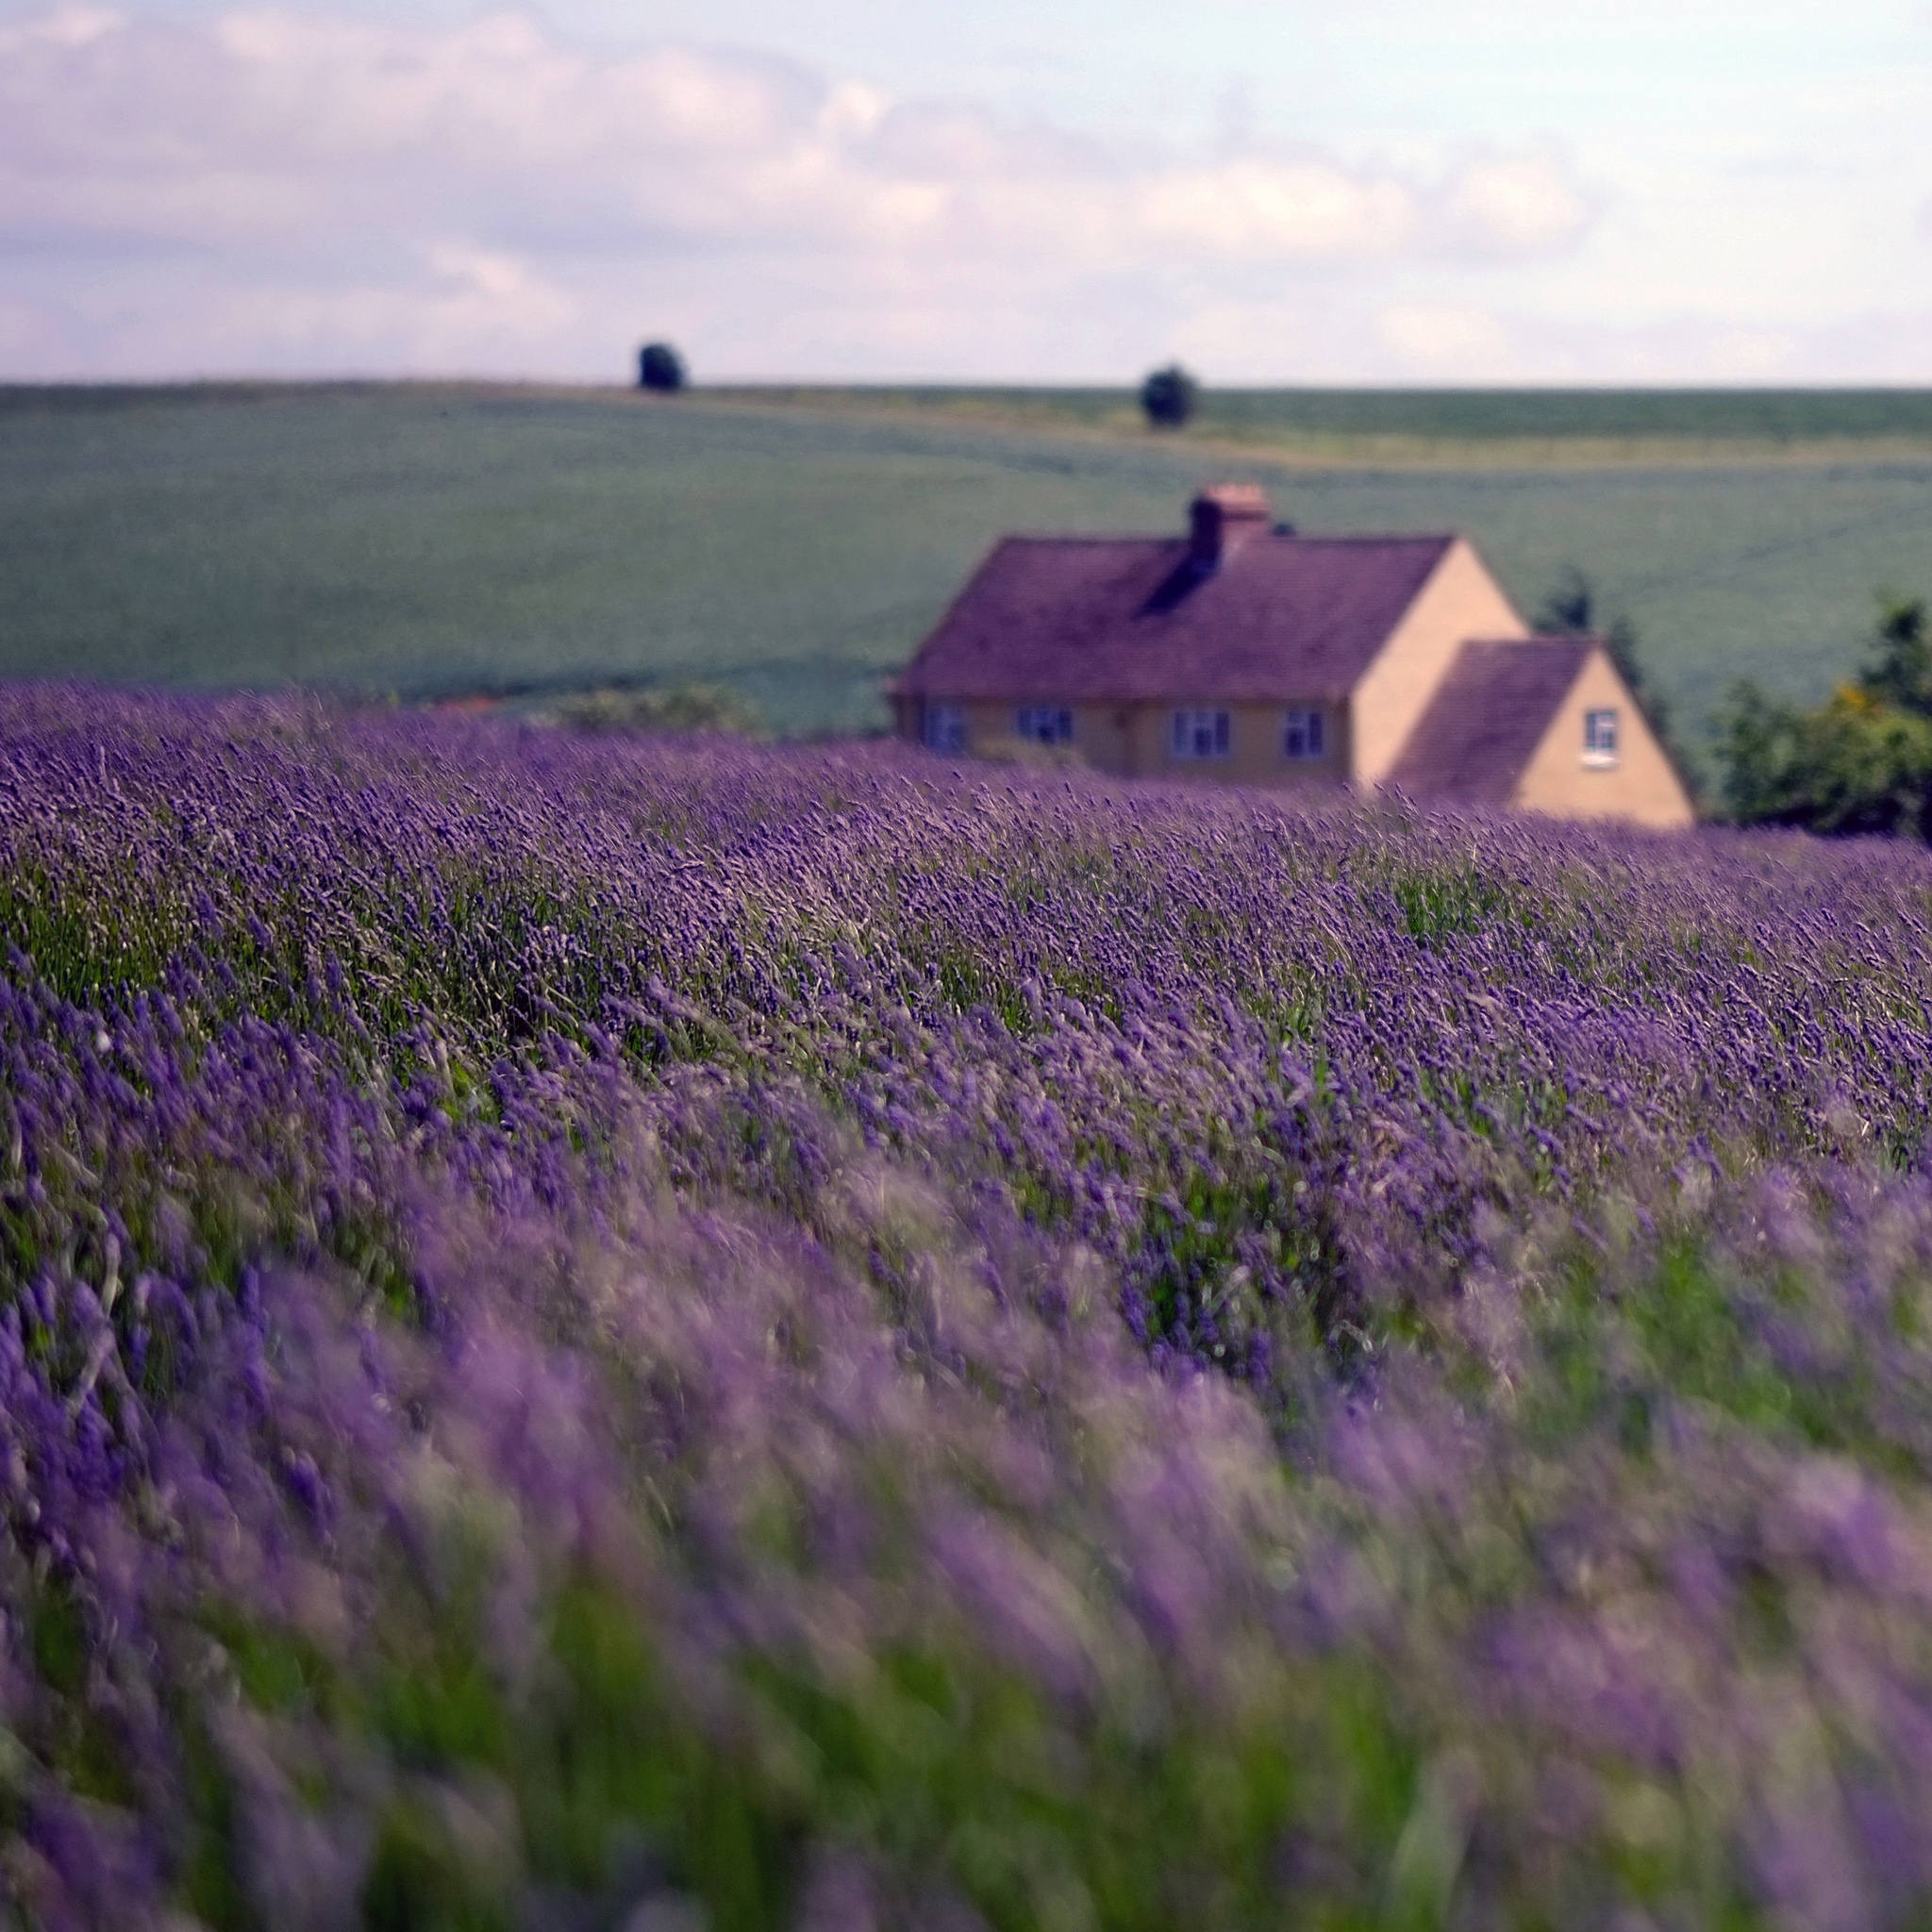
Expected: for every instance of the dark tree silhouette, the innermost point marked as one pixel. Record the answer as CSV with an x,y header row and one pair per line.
x,y
660,367
1168,395
1572,609
1903,675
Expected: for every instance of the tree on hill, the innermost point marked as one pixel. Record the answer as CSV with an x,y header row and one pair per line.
x,y
1903,675
1168,397
660,367
1861,762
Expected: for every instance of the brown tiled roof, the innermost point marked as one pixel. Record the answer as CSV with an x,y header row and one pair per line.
x,y
1487,717
1097,619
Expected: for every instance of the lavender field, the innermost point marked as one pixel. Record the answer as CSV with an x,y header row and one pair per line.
x,y
604,1333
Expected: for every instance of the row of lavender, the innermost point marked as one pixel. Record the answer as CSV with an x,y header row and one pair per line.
x,y
599,1329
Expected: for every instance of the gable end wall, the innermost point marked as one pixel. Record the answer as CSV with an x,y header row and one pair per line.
x,y
1460,601
1641,788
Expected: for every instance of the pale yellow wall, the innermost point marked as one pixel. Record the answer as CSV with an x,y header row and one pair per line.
x,y
1640,787
1136,740
1254,755
1460,601
1100,732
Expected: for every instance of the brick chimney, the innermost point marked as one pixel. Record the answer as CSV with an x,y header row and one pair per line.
x,y
1221,519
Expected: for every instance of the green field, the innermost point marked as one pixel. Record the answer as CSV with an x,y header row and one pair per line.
x,y
432,541
1439,426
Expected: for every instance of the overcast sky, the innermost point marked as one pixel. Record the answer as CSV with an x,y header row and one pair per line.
x,y
1386,191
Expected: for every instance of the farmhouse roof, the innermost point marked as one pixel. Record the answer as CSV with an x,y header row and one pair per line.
x,y
1488,716
1067,619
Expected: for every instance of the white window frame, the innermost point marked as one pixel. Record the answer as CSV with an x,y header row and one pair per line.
x,y
1201,732
1600,737
945,728
1044,723
1305,735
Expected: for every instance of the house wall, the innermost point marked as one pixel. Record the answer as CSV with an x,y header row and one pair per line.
x,y
1254,756
1101,732
1640,787
1460,601
1136,741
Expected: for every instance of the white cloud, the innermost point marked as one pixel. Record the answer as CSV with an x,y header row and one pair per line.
x,y
290,192
518,298
1426,341
490,193
285,121
470,304
1512,206
66,26
1441,338
1281,210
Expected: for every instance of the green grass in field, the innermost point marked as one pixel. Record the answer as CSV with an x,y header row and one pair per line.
x,y
1593,425
794,546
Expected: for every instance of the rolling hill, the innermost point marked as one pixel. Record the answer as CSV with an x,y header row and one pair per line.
x,y
433,541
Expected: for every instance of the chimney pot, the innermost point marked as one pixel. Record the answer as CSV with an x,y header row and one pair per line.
x,y
1222,518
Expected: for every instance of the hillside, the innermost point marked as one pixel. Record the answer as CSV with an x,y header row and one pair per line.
x,y
1461,427
437,541
636,1333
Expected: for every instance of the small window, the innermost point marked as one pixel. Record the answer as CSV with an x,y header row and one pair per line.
x,y
1599,738
1303,739
945,728
1044,723
1200,734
